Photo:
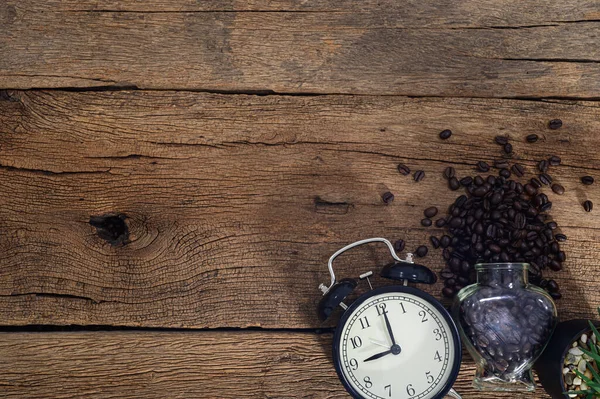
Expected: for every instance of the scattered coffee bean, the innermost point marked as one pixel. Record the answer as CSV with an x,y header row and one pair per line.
x,y
588,206
504,173
403,169
502,140
545,179
454,184
445,134
518,170
543,166
399,245
430,212
483,166
434,241
535,182
466,181
587,180
421,251
532,138
554,160
419,175
501,164
440,222
560,237
449,172
426,222
556,295
508,148
555,124
558,189
387,197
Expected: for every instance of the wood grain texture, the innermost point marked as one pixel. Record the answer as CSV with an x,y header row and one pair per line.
x,y
132,365
435,48
235,203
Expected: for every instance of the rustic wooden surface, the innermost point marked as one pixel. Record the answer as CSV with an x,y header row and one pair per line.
x,y
290,119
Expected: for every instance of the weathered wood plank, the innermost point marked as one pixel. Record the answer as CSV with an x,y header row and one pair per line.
x,y
235,203
407,48
224,365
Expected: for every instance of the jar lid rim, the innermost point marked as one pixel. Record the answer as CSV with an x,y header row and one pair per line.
x,y
502,265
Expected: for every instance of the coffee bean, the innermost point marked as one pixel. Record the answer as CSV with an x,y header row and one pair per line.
x,y
502,140
440,222
535,182
435,242
403,169
454,184
449,172
430,212
554,160
504,173
478,180
543,166
532,138
587,180
546,207
556,295
561,256
558,189
445,241
508,148
560,237
445,134
421,251
518,170
387,197
588,206
466,181
545,179
555,124
530,189
419,175
399,245
448,292
500,164
483,166
426,222
552,286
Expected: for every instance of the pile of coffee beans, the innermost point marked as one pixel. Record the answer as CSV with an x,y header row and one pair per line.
x,y
507,327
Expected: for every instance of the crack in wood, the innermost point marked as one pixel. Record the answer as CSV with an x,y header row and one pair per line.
x,y
46,172
54,295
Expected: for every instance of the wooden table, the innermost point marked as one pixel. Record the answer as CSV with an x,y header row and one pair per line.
x,y
236,146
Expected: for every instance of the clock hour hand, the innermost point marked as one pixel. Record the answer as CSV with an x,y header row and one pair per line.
x,y
379,355
389,328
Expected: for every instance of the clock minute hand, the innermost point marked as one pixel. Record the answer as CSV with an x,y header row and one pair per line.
x,y
379,355
389,328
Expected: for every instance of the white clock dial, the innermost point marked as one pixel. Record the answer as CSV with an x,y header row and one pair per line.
x,y
414,361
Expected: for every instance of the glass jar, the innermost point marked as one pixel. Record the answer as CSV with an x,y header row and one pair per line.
x,y
505,324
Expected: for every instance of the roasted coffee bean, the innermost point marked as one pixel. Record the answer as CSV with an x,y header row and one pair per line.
x,y
440,222
530,189
445,134
555,265
518,170
421,251
556,295
483,166
430,212
532,138
399,245
552,286
478,180
554,160
558,189
454,184
419,175
555,124
426,222
445,241
545,179
466,181
587,180
403,169
560,237
588,206
448,292
504,173
546,207
535,182
543,166
561,256
502,140
387,197
449,172
434,241
501,164
508,148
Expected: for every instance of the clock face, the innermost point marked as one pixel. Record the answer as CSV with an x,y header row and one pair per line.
x,y
395,344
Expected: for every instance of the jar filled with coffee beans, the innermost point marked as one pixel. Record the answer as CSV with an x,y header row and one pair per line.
x,y
505,324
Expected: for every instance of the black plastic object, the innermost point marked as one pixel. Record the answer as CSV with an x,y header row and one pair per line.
x,y
335,296
408,271
549,365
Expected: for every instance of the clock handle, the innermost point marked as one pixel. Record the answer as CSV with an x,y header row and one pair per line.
x,y
356,244
454,394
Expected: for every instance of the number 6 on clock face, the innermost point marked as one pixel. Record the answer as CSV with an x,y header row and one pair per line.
x,y
399,343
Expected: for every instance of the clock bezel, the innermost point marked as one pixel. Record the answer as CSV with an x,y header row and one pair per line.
x,y
337,362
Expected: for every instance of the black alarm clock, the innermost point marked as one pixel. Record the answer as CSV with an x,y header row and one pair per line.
x,y
396,341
